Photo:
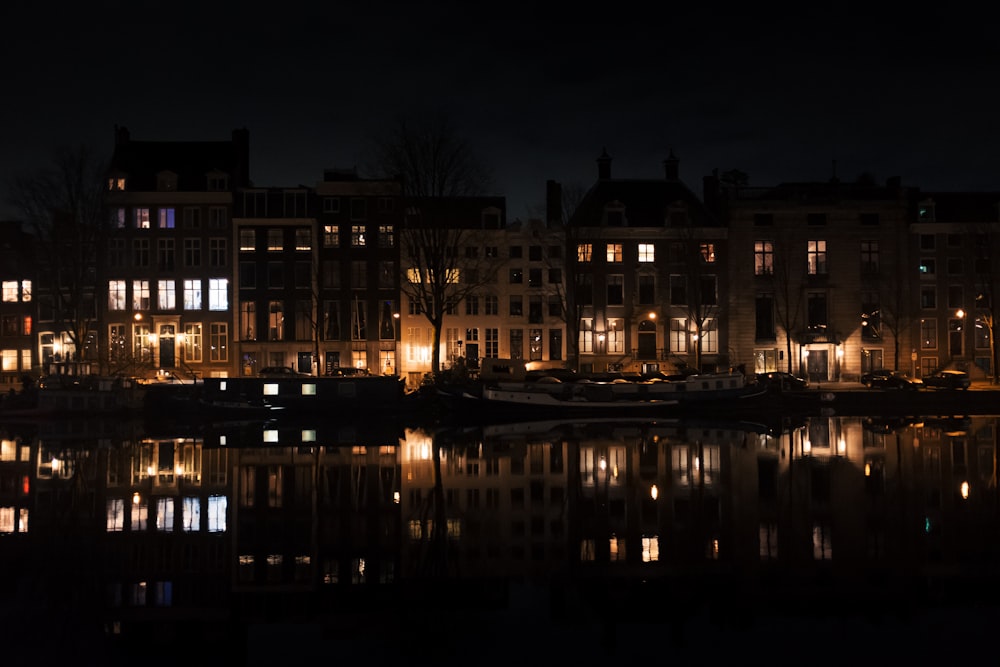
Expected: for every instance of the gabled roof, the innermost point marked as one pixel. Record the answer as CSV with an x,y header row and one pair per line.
x,y
646,202
192,161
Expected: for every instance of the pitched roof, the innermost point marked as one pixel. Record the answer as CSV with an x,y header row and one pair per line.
x,y
141,161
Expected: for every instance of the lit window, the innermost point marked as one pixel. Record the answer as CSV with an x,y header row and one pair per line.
x,y
647,252
584,251
10,291
166,219
708,253
614,253
141,218
218,294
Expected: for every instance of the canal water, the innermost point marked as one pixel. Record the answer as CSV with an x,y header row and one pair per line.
x,y
818,539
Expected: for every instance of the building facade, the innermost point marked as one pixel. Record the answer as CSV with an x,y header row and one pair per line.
x,y
166,303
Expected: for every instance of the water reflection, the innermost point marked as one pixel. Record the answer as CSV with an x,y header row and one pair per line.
x,y
131,537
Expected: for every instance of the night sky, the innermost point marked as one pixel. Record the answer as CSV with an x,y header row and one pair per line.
x,y
537,92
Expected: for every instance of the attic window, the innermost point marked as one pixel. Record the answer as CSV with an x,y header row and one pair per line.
x,y
218,182
116,183
614,215
925,213
166,181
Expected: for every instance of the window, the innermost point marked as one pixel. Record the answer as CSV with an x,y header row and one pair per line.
x,y
140,253
515,252
359,208
166,218
927,268
584,251
535,345
472,305
330,274
955,296
192,342
678,335
331,320
140,295
116,252
535,253
218,294
491,304
275,275
492,348
616,290
331,236
218,182
294,204
359,274
816,257
248,320
614,253
555,306
303,275
927,242
358,236
218,217
275,320
555,276
386,236
166,295
359,320
516,344
928,334
763,258
116,295
116,342
678,290
384,204
764,317
165,254
647,290
616,336
192,218
217,252
871,320
331,204
586,343
534,277
535,309
707,252
192,252
955,266
928,298
386,274
710,336
248,240
219,341
708,294
491,252
647,252
140,218
303,238
10,291
516,306
816,309
516,276
869,257
275,240
192,294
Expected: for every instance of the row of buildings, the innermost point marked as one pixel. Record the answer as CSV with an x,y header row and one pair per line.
x,y
201,272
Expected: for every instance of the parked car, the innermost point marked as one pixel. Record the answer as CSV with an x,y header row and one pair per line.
x,y
948,379
884,378
780,380
280,372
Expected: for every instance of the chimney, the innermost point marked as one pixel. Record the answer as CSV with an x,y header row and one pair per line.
x,y
604,165
553,204
671,167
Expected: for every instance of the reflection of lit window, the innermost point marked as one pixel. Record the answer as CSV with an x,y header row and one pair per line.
x,y
650,549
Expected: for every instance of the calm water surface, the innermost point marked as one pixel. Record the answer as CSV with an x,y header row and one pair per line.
x,y
817,540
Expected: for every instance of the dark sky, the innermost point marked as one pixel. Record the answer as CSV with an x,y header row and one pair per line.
x,y
537,92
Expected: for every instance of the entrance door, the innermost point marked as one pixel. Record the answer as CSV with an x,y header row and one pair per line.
x,y
472,355
167,359
816,365
332,361
647,340
304,362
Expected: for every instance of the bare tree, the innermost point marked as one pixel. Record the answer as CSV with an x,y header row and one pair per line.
x,y
788,304
697,286
987,280
62,205
436,167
